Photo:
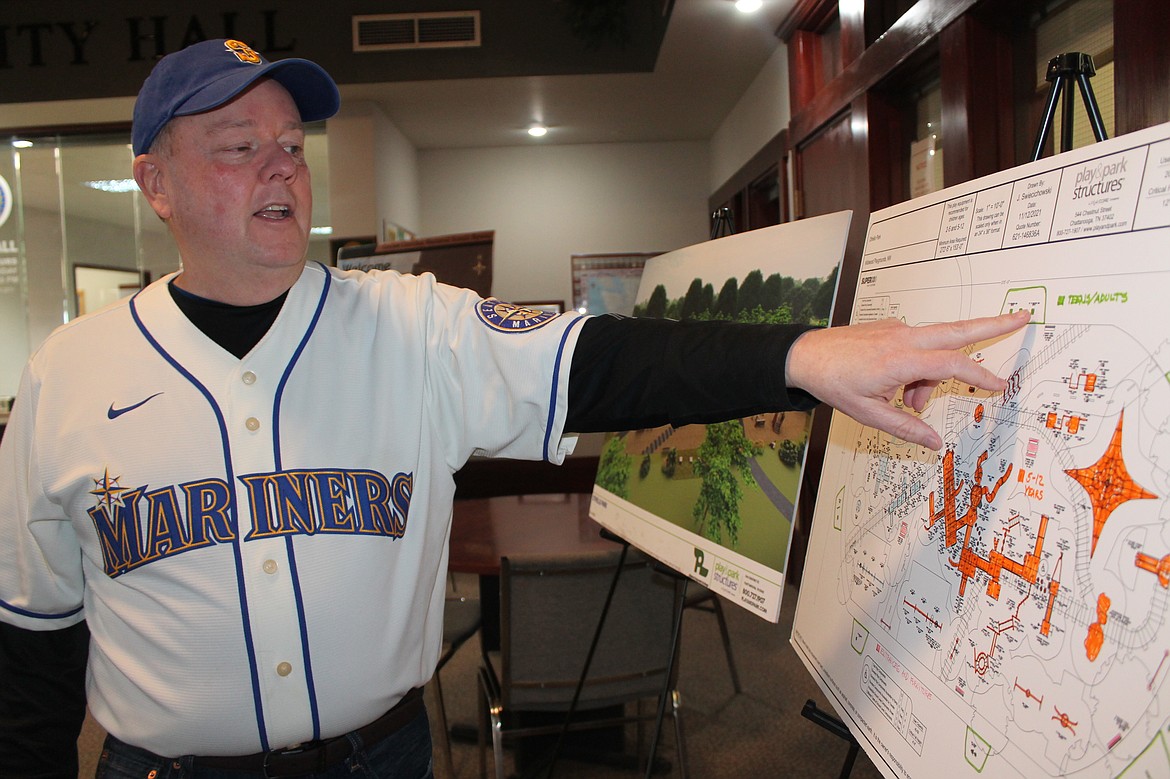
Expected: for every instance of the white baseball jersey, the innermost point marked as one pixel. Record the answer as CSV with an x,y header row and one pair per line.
x,y
260,545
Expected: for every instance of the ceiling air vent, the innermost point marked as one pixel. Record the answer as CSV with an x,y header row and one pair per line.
x,y
388,32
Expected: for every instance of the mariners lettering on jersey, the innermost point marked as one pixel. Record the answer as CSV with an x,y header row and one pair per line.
x,y
137,526
510,318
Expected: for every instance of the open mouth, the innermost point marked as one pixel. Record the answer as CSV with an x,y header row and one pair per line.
x,y
275,212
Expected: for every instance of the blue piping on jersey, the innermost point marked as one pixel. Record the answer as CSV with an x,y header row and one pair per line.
x,y
36,614
234,512
552,402
298,595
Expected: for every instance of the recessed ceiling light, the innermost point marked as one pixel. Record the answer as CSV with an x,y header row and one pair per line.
x,y
327,230
21,143
748,6
537,130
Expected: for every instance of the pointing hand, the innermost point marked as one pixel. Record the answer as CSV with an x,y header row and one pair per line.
x,y
859,369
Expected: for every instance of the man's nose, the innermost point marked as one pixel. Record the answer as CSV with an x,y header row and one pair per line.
x,y
280,162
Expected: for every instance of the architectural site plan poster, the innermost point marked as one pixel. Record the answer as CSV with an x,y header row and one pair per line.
x,y
715,502
1002,607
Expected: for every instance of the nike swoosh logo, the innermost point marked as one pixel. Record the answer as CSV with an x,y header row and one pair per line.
x,y
114,413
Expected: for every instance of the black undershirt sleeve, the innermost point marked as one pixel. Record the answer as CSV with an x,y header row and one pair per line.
x,y
42,700
633,373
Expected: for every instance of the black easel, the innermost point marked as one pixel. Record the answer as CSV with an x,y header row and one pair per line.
x,y
837,728
722,222
1064,71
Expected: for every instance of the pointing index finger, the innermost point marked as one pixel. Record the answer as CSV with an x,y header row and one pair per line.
x,y
956,335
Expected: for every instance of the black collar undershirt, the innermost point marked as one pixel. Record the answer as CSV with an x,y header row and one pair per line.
x,y
235,328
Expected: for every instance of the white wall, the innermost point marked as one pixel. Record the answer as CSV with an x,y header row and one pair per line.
x,y
547,203
761,112
397,192
352,173
373,173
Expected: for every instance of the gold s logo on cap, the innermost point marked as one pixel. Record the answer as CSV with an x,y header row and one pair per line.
x,y
243,52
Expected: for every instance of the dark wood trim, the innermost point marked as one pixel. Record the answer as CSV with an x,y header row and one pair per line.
x,y
786,207
957,45
811,15
852,18
772,153
976,67
1141,75
859,110
917,28
890,122
806,68
854,116
1027,101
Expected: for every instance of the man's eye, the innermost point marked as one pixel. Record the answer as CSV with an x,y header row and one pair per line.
x,y
295,150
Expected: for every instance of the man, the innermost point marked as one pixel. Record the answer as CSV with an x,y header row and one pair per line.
x,y
241,478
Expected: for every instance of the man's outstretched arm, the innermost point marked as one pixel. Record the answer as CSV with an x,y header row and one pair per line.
x,y
860,368
635,373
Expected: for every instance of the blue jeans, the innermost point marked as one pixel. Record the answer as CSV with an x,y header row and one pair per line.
x,y
405,754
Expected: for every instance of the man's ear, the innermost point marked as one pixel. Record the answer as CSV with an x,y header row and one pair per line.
x,y
151,179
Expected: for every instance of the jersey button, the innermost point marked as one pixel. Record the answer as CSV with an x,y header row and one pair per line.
x,y
284,669
248,377
269,566
252,423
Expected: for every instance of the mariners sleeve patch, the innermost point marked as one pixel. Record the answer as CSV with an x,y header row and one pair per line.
x,y
510,318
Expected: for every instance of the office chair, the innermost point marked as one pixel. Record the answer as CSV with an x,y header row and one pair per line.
x,y
550,608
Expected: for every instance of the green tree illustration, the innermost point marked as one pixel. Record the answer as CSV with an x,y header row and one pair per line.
x,y
725,304
613,468
693,302
751,294
724,455
669,461
790,453
798,302
656,305
708,297
773,292
822,302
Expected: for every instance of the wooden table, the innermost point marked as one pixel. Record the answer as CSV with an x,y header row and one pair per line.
x,y
485,529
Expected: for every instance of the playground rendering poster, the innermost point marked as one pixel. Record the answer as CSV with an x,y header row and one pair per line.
x,y
716,502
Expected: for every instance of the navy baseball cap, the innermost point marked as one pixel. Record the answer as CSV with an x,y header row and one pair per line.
x,y
206,75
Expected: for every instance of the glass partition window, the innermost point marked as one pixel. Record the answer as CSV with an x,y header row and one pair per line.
x,y
926,151
76,233
95,287
13,284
